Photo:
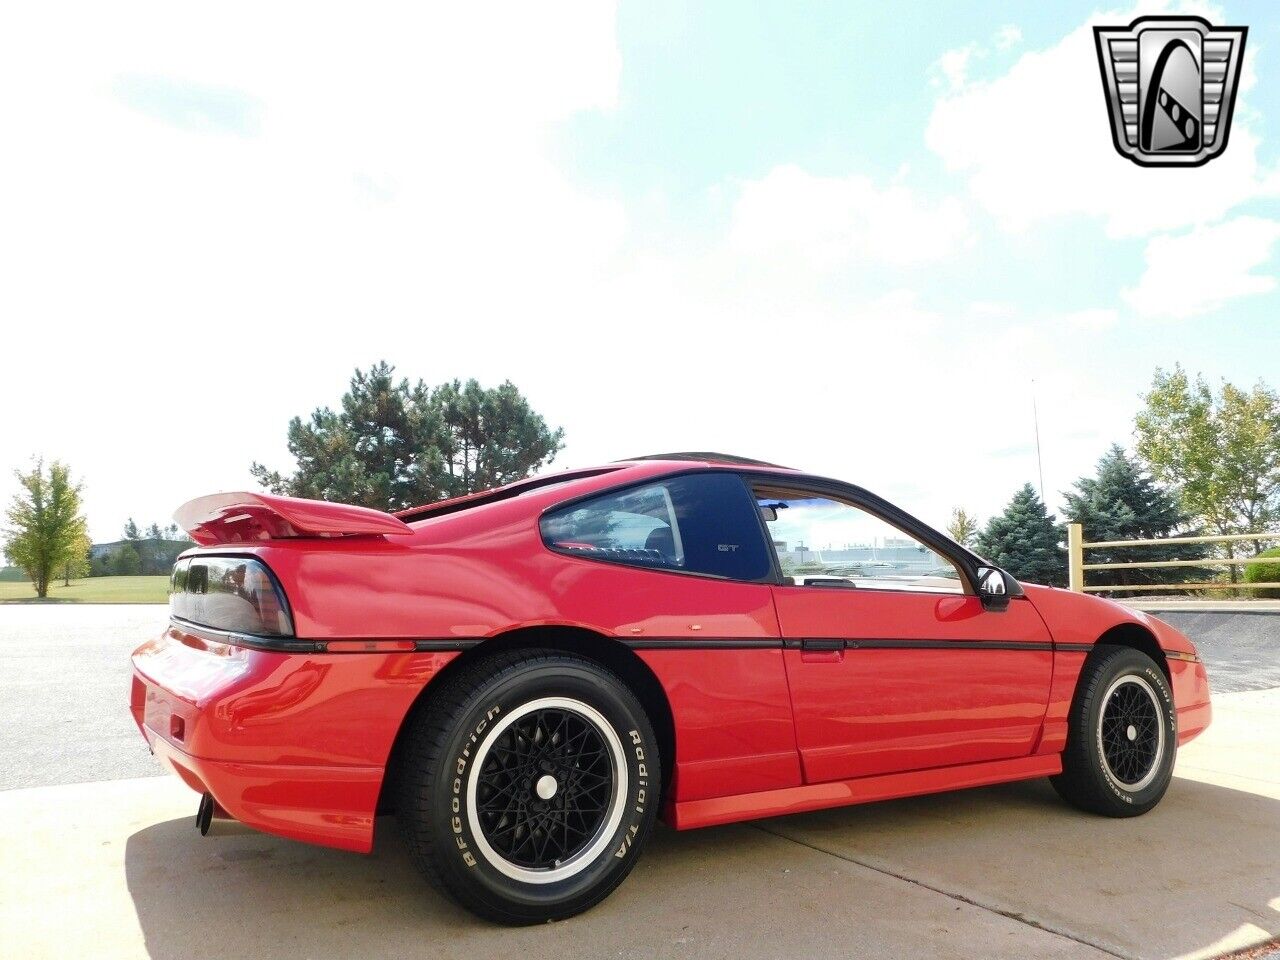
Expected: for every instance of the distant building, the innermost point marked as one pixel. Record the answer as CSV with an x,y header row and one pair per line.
x,y
97,550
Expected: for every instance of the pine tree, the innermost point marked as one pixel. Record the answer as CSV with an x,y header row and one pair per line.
x,y
395,444
1123,503
1025,541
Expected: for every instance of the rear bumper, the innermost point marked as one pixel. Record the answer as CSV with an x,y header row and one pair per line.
x,y
330,806
291,744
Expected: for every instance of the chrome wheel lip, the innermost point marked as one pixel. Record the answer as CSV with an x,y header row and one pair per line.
x,y
1157,760
617,800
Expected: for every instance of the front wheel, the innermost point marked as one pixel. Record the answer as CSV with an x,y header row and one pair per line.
x,y
529,786
1122,736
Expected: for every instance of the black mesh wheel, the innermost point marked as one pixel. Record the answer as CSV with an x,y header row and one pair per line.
x,y
1122,735
1131,735
547,787
529,782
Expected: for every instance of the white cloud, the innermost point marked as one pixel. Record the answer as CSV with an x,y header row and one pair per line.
x,y
213,266
953,66
951,70
1198,271
1008,36
284,194
792,217
192,263
1035,145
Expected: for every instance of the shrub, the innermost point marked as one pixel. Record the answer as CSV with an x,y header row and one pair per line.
x,y
1258,572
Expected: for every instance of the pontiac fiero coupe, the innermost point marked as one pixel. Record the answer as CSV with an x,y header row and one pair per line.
x,y
529,676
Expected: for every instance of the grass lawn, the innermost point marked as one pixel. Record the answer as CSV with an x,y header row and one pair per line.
x,y
93,590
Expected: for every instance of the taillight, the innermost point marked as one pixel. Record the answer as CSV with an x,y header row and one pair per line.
x,y
236,594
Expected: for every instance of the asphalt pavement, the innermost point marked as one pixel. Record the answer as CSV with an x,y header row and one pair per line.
x,y
64,692
1241,650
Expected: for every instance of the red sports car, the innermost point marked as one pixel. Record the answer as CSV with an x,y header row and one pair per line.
x,y
529,676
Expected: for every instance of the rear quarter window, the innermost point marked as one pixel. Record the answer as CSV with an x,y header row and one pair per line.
x,y
695,523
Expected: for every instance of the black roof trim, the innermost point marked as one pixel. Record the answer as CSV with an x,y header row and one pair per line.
x,y
481,497
711,458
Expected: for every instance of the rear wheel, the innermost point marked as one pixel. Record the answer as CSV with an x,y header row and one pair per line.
x,y
1122,737
529,785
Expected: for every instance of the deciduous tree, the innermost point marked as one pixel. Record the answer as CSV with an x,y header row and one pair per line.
x,y
76,565
45,523
1221,452
125,561
963,527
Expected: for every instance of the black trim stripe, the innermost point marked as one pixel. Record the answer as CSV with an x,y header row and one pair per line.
x,y
295,645
273,644
707,643
840,643
434,646
871,643
456,644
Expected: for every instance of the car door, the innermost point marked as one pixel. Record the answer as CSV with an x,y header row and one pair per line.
x,y
893,662
678,569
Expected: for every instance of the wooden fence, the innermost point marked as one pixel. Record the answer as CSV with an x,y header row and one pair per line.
x,y
1077,568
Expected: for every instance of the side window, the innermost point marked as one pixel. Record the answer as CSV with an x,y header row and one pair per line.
x,y
697,523
826,543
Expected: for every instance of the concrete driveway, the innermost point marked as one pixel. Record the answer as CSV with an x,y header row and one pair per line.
x,y
116,869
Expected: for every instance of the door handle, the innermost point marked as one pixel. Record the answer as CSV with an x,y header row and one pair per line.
x,y
822,650
814,644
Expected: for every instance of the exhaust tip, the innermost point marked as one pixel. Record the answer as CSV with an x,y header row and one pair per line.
x,y
204,814
209,814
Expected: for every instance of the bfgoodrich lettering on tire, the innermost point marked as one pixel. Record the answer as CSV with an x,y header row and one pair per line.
x,y
1122,736
528,785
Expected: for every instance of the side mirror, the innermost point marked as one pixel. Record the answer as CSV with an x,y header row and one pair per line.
x,y
993,588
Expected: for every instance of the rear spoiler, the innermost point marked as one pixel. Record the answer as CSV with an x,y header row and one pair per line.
x,y
248,517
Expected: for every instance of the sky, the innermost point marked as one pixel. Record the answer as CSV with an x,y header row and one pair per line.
x,y
859,239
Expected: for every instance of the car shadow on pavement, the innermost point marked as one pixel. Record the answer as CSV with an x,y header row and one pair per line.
x,y
1002,871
